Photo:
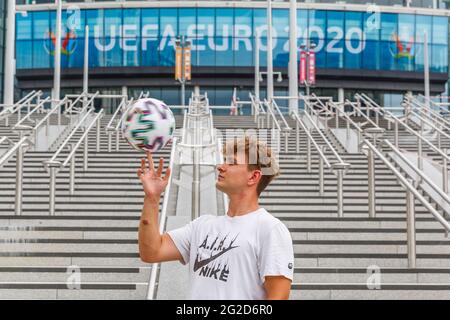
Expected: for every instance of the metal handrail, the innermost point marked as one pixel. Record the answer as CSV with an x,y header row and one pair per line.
x,y
360,113
17,107
86,132
271,115
349,120
47,116
313,141
410,130
321,104
73,103
28,116
119,108
18,149
74,130
162,223
86,105
55,166
125,107
339,168
329,145
431,124
3,139
412,193
437,104
257,110
20,100
346,116
23,100
286,125
3,159
36,109
427,112
422,175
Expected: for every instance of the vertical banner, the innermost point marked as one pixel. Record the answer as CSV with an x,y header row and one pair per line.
x,y
312,68
187,63
302,71
178,62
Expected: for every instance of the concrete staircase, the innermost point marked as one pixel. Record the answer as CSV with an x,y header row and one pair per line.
x,y
334,257
93,232
96,229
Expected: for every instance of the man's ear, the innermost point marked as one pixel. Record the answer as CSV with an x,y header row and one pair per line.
x,y
255,177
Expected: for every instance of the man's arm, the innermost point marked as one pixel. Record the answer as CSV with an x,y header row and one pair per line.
x,y
154,247
277,287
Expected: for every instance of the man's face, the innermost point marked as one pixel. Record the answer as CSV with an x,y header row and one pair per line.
x,y
233,178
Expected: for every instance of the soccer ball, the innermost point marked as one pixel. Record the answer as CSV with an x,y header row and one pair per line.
x,y
148,125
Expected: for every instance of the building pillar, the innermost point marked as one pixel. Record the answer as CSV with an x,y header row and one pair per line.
x,y
10,62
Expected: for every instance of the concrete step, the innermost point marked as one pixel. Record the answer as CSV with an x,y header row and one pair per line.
x,y
393,260
361,275
388,291
60,274
54,291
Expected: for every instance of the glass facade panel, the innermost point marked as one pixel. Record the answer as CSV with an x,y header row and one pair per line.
x,y
227,37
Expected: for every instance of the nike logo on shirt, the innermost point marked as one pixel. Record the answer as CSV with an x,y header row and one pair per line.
x,y
201,263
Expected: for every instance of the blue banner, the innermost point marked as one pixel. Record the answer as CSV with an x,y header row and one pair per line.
x,y
227,36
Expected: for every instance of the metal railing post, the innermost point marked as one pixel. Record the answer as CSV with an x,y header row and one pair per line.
x,y
360,138
337,118
59,114
196,184
339,170
85,156
371,183
286,142
98,134
340,193
19,111
411,228
308,152
52,190
47,126
396,134
72,172
419,153
117,140
321,175
109,141
297,137
19,177
348,129
444,173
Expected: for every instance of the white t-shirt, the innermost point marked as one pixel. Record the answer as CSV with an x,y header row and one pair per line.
x,y
230,256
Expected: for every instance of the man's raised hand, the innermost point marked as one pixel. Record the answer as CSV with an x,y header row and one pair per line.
x,y
152,181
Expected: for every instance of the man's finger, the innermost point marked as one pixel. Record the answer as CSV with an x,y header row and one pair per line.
x,y
167,175
150,161
160,167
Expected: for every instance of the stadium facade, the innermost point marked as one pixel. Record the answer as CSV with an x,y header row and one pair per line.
x,y
2,44
371,48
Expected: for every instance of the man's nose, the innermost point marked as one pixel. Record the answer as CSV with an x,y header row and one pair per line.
x,y
220,167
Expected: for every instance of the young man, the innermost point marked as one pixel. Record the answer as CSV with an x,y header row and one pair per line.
x,y
245,254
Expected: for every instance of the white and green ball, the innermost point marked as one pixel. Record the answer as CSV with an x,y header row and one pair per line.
x,y
148,125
